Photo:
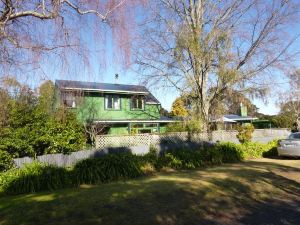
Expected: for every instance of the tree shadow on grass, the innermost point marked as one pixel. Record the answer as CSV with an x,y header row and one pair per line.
x,y
231,194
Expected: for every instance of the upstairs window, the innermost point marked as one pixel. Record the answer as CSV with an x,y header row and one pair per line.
x,y
112,102
137,102
69,100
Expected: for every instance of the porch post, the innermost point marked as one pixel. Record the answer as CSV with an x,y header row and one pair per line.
x,y
129,128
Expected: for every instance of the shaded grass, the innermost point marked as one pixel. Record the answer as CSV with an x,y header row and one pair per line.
x,y
254,192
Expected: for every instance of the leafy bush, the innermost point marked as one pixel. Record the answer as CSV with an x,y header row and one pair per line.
x,y
35,177
232,152
245,133
6,161
253,149
108,168
192,126
176,127
148,168
271,150
44,135
152,155
229,152
188,159
30,126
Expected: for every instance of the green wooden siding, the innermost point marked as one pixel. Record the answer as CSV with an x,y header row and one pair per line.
x,y
118,129
162,128
92,107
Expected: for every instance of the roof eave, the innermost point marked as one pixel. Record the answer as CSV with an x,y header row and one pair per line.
x,y
105,91
134,121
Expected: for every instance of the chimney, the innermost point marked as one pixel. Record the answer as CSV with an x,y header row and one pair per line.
x,y
243,110
116,78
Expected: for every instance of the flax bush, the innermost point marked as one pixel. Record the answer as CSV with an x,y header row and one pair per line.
x,y
108,168
35,177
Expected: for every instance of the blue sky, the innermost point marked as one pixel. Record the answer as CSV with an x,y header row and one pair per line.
x,y
100,73
165,95
105,72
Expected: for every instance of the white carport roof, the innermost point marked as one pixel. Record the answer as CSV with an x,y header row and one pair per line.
x,y
224,119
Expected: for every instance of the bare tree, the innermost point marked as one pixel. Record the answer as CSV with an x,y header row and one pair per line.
x,y
93,130
205,47
32,29
290,99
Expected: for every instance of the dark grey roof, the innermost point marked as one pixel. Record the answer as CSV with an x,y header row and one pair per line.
x,y
106,87
151,99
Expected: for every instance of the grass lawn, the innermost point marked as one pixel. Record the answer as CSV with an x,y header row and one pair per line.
x,y
261,191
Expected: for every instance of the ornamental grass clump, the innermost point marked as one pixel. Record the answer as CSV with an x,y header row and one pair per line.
x,y
108,168
35,177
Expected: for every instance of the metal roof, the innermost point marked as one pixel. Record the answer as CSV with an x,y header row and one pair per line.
x,y
239,118
224,119
107,88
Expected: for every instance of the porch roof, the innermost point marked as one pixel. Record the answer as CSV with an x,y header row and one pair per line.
x,y
161,120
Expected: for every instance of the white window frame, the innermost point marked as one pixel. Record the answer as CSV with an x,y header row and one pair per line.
x,y
114,97
137,99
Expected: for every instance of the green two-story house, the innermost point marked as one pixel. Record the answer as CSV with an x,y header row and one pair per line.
x,y
118,108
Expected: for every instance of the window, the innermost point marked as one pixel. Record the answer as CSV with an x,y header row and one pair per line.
x,y
151,125
69,100
137,125
137,102
112,102
145,131
294,136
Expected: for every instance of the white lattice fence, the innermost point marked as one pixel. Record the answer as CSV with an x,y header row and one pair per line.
x,y
260,135
104,141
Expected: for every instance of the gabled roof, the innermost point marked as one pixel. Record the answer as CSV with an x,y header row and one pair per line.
x,y
106,88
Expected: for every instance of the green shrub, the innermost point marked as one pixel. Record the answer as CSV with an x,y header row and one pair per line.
x,y
108,168
229,152
6,161
253,149
211,156
152,155
232,152
192,126
188,159
38,133
245,133
258,150
176,127
148,168
35,177
271,150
